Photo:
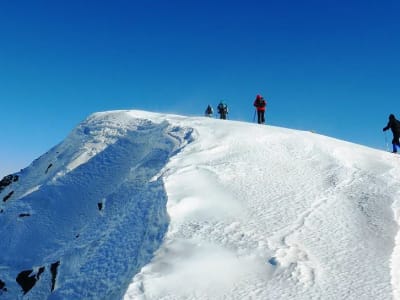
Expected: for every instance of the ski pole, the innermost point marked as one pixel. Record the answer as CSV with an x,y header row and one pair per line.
x,y
254,116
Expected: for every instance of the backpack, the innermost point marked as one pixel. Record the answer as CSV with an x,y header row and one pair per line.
x,y
261,102
222,108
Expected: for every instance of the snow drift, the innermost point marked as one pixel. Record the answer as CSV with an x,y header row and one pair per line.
x,y
139,205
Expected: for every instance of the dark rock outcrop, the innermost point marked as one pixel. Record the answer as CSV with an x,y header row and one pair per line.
x,y
48,168
8,196
7,180
2,287
26,281
54,271
24,215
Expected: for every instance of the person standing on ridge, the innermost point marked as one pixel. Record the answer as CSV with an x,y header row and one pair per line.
x,y
222,110
394,125
260,104
209,111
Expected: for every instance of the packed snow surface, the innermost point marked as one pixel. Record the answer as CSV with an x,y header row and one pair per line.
x,y
139,205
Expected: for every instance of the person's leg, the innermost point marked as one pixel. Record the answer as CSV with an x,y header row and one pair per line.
x,y
263,117
395,143
259,117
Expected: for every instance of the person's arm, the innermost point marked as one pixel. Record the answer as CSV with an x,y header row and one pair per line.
x,y
387,126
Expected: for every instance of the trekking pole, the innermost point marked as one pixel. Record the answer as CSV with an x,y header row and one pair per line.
x,y
386,142
254,116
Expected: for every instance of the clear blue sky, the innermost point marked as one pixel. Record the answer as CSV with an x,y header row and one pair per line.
x,y
329,66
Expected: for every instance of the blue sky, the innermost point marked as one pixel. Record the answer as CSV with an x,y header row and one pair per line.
x,y
328,66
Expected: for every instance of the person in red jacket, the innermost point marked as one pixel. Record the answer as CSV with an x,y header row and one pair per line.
x,y
260,104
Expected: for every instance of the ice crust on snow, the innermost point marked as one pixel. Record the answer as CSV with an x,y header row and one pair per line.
x,y
139,205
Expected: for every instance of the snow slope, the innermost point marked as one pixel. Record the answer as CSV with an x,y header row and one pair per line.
x,y
139,205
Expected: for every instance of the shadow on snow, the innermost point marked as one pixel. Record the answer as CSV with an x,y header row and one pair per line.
x,y
102,221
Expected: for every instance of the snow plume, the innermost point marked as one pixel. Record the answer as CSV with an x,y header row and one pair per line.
x,y
138,205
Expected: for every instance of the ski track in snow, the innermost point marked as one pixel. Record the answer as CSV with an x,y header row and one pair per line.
x,y
215,210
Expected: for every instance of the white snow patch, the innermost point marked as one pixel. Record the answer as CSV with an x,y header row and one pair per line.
x,y
146,206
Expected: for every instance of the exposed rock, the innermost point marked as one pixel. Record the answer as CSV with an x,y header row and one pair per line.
x,y
54,270
28,282
2,286
7,180
50,165
24,215
8,196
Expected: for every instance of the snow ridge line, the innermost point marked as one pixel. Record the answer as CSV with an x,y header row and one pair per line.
x,y
88,210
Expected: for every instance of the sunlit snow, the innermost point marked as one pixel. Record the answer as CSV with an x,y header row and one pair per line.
x,y
139,205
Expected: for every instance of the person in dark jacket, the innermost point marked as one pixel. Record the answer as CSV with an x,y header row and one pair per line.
x,y
222,110
260,104
209,111
394,125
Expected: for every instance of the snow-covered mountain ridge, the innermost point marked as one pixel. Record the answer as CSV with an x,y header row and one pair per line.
x,y
140,205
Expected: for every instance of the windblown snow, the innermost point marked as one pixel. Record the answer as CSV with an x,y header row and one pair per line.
x,y
146,206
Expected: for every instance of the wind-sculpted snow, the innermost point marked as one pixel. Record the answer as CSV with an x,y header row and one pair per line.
x,y
145,206
275,214
100,210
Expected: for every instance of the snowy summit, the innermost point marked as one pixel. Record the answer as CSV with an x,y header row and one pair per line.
x,y
139,205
